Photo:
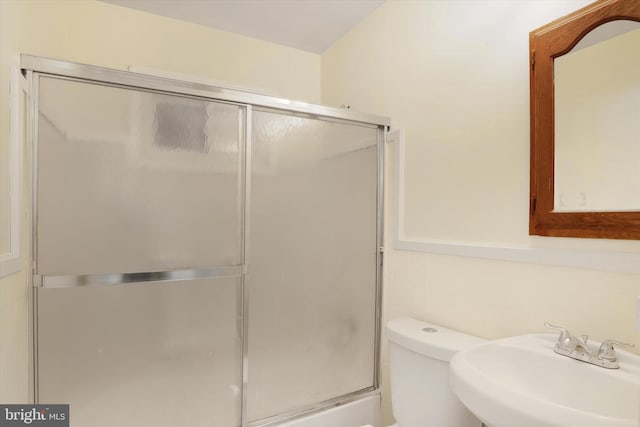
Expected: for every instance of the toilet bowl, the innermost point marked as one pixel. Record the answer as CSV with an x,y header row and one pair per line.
x,y
419,355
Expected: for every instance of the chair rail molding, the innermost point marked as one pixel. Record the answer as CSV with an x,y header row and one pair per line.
x,y
620,262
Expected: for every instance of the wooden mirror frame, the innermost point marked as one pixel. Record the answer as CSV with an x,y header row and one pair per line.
x,y
546,43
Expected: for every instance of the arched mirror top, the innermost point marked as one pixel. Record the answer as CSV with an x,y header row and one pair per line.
x,y
605,32
584,123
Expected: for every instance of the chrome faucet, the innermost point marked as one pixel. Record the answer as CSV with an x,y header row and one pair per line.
x,y
577,348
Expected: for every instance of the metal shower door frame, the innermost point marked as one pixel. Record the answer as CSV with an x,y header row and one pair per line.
x,y
33,67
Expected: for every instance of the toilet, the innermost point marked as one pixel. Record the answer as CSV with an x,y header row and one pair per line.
x,y
419,355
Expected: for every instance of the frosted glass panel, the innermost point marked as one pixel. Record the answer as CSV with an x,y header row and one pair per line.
x,y
144,354
312,262
132,181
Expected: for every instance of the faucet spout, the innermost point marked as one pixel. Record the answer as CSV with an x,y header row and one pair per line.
x,y
580,345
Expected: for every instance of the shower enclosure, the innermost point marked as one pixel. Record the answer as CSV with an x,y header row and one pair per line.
x,y
200,256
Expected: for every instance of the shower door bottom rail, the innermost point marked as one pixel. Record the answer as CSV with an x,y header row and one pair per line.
x,y
297,413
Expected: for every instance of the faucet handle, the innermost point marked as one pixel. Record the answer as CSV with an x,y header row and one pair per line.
x,y
564,340
564,332
607,349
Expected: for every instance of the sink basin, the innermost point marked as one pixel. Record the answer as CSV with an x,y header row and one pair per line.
x,y
520,381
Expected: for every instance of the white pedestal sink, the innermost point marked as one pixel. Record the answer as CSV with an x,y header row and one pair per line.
x,y
520,382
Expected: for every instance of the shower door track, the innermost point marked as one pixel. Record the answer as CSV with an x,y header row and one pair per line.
x,y
142,81
33,65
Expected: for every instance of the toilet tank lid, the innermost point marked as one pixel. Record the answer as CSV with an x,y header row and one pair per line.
x,y
442,345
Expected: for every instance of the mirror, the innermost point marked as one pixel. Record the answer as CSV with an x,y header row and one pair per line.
x,y
597,121
585,123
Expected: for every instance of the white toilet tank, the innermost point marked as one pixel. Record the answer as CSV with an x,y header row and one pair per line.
x,y
419,355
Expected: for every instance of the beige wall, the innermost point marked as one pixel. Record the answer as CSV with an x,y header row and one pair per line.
x,y
106,35
454,75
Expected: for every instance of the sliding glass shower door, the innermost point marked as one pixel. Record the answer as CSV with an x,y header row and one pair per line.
x,y
139,199
201,257
312,277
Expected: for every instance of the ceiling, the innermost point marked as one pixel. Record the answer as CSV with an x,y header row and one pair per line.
x,y
310,25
